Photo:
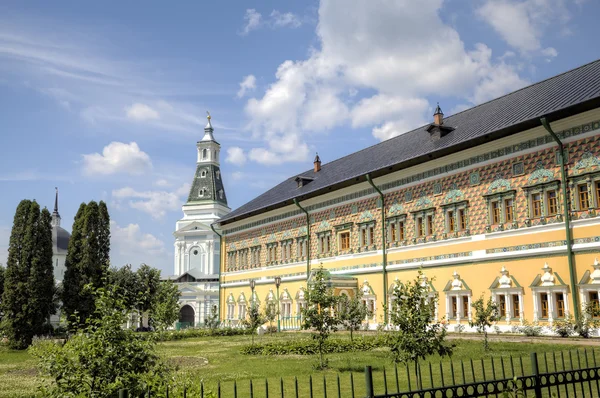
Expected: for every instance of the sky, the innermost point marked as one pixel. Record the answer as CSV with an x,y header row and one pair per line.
x,y
106,100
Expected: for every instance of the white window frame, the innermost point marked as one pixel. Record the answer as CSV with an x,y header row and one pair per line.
x,y
552,304
459,295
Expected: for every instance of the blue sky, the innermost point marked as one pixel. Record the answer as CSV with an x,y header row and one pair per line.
x,y
106,99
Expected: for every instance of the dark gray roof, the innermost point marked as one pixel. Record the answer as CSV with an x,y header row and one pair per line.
x,y
569,93
60,238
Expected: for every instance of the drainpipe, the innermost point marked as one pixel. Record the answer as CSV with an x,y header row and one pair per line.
x,y
563,172
384,244
220,259
307,238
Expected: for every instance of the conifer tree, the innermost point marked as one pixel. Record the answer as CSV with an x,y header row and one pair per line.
x,y
29,282
41,280
87,262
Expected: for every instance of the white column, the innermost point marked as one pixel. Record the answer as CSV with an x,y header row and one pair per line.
x,y
448,306
470,309
508,307
566,298
550,307
521,310
536,310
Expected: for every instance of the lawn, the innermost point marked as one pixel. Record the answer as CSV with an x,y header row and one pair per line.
x,y
218,359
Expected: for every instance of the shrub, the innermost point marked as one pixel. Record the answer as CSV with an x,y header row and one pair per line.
x,y
530,329
311,347
588,321
565,327
190,333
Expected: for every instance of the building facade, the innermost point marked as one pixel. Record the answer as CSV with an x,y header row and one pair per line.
x,y
60,244
476,201
197,246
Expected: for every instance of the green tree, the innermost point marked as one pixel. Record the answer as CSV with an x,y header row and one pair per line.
x,y
415,333
148,280
212,321
319,314
270,314
485,316
254,319
102,357
126,281
27,300
87,262
2,274
165,306
353,312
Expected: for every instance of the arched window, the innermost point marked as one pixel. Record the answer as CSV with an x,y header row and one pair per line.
x,y
203,174
204,153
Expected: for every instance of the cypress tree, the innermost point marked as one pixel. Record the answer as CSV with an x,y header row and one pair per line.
x,y
42,286
87,262
26,277
72,281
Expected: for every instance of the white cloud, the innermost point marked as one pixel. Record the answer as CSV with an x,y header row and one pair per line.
x,y
252,20
236,155
360,50
117,157
154,203
286,19
141,112
237,175
129,245
247,84
550,52
162,183
522,24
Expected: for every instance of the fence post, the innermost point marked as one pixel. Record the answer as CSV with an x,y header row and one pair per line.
x,y
536,375
369,381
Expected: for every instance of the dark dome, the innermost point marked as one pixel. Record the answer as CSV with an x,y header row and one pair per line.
x,y
60,238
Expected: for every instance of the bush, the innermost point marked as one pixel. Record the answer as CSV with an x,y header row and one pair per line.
x,y
190,333
530,329
311,347
564,328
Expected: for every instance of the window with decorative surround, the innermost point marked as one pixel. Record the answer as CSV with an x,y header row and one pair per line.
x,y
271,253
231,261
508,295
424,219
366,234
396,229
344,238
458,300
500,200
255,256
286,250
301,247
589,288
369,300
584,184
230,307
550,296
455,210
542,193
324,242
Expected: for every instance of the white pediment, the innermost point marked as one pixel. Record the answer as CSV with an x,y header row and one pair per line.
x,y
193,227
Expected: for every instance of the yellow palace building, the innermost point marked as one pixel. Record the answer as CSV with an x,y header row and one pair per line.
x,y
477,201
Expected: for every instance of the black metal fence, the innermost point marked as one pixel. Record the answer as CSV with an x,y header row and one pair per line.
x,y
574,373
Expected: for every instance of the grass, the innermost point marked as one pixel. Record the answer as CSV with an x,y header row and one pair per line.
x,y
218,359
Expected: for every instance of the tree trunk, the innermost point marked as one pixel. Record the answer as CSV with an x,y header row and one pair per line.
x,y
351,338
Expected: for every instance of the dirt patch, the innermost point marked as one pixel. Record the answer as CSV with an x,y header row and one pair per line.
x,y
188,361
31,372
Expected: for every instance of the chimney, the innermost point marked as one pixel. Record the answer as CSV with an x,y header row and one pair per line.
x,y
317,163
438,116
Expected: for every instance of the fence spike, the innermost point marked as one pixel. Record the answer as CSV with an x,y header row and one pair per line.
x,y
536,374
235,389
351,384
368,382
462,366
452,371
296,385
251,389
324,387
483,370
522,369
201,390
397,381
587,365
281,386
385,382
408,377
473,371
512,367
266,388
184,392
310,385
339,387
167,392
502,364
442,374
430,376
219,389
